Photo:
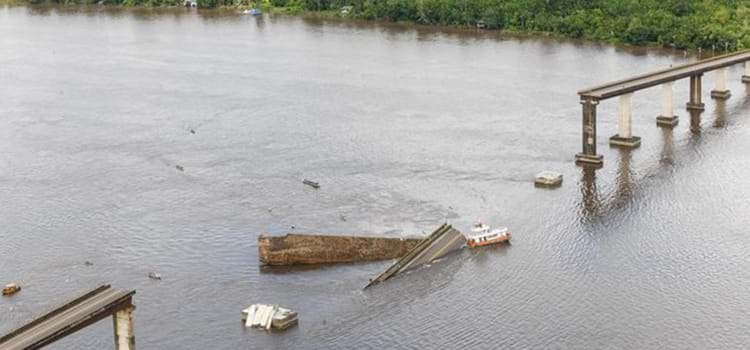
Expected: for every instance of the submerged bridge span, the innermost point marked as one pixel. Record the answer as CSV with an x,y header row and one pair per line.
x,y
624,89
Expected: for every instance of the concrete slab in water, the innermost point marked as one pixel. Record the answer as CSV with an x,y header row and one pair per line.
x,y
442,241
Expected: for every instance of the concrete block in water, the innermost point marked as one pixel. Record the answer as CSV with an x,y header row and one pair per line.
x,y
548,179
301,249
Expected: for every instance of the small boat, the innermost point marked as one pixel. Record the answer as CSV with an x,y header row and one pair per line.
x,y
268,317
11,289
311,183
252,12
482,235
154,276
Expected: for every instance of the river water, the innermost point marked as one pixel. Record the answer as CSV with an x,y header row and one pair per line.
x,y
404,127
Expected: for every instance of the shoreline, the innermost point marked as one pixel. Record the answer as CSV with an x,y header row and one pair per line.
x,y
334,15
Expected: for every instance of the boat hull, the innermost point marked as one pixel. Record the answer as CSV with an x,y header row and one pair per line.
x,y
501,239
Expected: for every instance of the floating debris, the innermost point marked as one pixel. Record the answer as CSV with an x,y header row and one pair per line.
x,y
180,168
311,183
268,316
11,289
192,131
548,179
88,263
154,276
342,217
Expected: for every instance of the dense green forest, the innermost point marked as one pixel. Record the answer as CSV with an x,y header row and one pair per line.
x,y
723,24
719,24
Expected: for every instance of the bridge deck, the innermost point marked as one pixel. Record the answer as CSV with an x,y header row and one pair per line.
x,y
442,241
69,318
644,81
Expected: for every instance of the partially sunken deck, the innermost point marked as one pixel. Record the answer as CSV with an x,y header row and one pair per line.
x,y
298,249
444,240
644,81
69,318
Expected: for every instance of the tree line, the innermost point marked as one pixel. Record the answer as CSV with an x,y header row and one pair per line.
x,y
682,24
719,24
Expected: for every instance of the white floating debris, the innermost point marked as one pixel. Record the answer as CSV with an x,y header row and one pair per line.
x,y
268,316
154,276
548,179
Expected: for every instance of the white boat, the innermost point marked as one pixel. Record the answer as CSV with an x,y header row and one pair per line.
x,y
481,234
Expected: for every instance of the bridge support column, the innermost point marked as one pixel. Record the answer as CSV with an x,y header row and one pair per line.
x,y
667,117
720,91
624,137
695,103
588,155
124,334
746,76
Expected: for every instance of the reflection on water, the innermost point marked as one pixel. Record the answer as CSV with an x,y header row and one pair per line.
x,y
624,181
720,113
405,127
591,203
695,121
667,151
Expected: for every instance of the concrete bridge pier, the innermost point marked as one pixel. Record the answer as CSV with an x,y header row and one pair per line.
x,y
695,103
124,333
588,155
746,76
624,137
720,91
667,117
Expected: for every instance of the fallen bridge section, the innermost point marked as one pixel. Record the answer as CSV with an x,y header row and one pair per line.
x,y
299,249
79,313
442,241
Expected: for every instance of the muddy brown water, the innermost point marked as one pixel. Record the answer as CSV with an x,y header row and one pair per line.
x,y
405,128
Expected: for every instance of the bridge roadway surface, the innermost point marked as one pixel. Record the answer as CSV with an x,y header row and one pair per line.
x,y
67,319
644,81
442,241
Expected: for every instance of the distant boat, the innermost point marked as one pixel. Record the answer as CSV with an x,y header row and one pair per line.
x,y
11,289
311,183
252,12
